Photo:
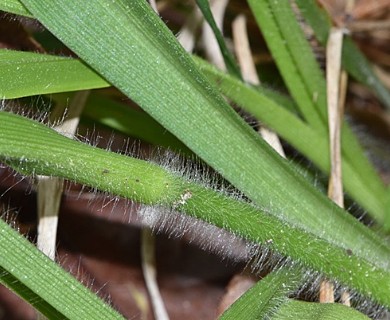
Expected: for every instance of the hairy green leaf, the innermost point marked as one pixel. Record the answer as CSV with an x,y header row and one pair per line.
x,y
294,58
36,278
139,67
361,262
302,310
359,180
266,296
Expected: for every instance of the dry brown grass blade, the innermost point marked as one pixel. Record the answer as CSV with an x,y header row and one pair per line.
x,y
49,192
243,51
336,91
326,292
383,75
367,8
366,26
333,70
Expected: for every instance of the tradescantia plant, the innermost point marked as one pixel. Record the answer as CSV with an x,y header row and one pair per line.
x,y
125,44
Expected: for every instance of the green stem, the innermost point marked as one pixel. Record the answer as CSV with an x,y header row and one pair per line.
x,y
360,262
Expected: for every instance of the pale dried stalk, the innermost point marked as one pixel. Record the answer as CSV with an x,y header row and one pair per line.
x,y
148,241
333,70
50,189
243,51
153,4
249,73
210,43
365,26
345,296
187,33
383,75
336,90
148,253
49,192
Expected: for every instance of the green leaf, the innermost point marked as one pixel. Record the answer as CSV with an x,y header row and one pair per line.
x,y
24,73
130,47
74,75
51,290
268,299
185,98
294,58
124,119
227,56
14,6
58,74
361,182
28,295
294,309
266,296
131,122
306,84
360,262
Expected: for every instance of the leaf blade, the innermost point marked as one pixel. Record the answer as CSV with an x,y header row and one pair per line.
x,y
294,309
266,296
15,7
55,291
27,73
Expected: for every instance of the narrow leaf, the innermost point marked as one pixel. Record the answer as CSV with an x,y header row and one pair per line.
x,y
362,183
24,73
294,309
39,280
227,55
44,307
266,296
14,6
306,83
124,119
294,58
